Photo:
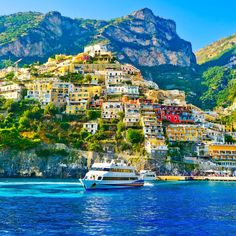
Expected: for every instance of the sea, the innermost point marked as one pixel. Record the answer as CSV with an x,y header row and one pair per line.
x,y
62,207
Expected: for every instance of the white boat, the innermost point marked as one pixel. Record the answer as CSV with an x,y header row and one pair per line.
x,y
148,175
110,176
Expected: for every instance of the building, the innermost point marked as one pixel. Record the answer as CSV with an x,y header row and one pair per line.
x,y
40,91
223,154
91,127
156,146
11,90
198,117
80,98
131,90
113,89
111,110
146,107
151,127
95,50
185,133
60,93
130,69
114,77
173,113
81,58
132,114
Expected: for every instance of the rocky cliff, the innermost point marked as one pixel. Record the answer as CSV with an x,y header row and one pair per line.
x,y
140,38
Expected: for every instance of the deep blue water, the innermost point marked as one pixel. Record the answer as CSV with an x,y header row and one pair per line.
x,y
44,207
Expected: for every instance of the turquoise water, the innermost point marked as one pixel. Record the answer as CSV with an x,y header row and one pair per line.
x,y
44,207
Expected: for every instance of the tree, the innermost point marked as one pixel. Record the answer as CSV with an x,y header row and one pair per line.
x,y
93,114
24,123
96,147
134,136
229,139
10,76
88,78
50,109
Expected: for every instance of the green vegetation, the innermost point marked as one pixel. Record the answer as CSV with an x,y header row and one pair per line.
x,y
134,136
50,152
13,26
215,51
73,78
220,87
25,124
5,63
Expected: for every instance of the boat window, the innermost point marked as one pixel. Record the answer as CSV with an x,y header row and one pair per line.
x,y
120,178
112,169
99,177
121,170
100,169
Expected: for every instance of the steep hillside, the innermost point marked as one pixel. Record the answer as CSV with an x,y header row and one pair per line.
x,y
141,38
219,85
219,53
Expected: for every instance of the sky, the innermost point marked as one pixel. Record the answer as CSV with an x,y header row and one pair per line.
x,y
199,21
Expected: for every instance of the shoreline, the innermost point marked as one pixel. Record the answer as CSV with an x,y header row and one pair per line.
x,y
196,178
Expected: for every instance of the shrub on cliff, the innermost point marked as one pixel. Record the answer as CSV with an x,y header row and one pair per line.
x,y
134,136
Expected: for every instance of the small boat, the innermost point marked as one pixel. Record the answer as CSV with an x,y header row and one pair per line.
x,y
148,175
111,176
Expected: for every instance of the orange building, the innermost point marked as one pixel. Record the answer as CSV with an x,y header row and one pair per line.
x,y
223,154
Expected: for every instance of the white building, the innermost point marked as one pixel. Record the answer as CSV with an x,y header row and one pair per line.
x,y
152,128
131,90
198,117
156,146
114,77
91,127
132,114
113,89
10,90
111,110
95,50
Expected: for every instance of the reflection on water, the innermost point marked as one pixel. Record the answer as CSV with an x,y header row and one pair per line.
x,y
42,207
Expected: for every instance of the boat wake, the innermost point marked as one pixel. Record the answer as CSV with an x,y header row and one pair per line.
x,y
148,184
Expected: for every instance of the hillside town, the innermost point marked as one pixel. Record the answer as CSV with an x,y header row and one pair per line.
x,y
173,131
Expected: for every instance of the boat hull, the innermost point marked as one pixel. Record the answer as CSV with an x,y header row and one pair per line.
x,y
96,184
149,178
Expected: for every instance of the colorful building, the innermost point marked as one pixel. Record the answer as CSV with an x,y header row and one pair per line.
x,y
40,90
223,154
185,133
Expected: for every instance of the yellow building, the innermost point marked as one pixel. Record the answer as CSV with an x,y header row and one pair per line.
x,y
88,68
81,58
222,151
68,68
62,57
223,154
185,133
60,93
40,91
80,97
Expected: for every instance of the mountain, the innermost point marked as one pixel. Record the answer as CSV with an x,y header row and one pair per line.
x,y
140,38
219,53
